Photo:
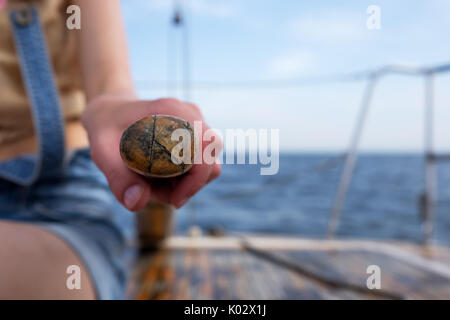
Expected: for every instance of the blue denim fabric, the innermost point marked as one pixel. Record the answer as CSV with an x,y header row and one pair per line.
x,y
71,199
76,203
43,96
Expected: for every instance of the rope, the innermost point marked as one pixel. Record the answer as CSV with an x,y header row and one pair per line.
x,y
305,81
315,277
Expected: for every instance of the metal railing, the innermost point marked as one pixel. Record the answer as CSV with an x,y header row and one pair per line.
x,y
429,198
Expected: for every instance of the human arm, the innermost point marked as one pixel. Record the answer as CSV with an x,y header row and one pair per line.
x,y
112,105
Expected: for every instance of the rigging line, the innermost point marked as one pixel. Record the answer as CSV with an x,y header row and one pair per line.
x,y
168,86
306,81
258,84
313,276
180,24
186,59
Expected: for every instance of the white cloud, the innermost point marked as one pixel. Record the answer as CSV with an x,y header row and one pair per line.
x,y
291,64
328,27
210,8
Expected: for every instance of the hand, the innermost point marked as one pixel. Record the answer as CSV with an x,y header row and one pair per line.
x,y
106,118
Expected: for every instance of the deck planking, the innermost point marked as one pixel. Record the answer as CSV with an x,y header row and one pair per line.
x,y
263,267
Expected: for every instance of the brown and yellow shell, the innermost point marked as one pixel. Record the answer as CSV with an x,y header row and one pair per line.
x,y
146,146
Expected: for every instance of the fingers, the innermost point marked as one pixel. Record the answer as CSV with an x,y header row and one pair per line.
x,y
197,177
216,171
133,191
168,106
161,189
178,191
190,184
129,188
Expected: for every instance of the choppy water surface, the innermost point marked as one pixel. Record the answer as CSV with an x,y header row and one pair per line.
x,y
382,201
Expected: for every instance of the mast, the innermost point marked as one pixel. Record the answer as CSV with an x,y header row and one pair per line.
x,y
181,52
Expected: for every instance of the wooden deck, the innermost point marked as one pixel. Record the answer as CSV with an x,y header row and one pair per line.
x,y
263,267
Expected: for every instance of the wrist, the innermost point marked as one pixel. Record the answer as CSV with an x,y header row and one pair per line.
x,y
107,98
102,105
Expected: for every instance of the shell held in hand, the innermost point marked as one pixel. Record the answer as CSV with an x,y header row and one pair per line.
x,y
146,146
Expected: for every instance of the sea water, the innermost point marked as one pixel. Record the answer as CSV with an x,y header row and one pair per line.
x,y
382,201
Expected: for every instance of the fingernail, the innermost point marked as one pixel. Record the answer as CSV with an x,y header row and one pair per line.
x,y
132,195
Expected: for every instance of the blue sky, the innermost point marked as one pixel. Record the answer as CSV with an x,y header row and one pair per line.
x,y
249,40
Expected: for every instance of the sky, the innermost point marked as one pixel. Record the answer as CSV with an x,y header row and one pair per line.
x,y
240,41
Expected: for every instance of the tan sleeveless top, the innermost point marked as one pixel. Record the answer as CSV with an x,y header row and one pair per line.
x,y
16,126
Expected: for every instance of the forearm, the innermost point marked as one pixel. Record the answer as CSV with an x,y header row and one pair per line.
x,y
103,50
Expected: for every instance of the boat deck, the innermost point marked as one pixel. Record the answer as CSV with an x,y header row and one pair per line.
x,y
264,267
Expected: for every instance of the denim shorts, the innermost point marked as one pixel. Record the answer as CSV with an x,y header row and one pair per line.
x,y
76,204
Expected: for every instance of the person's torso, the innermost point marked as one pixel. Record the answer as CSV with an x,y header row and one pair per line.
x,y
16,126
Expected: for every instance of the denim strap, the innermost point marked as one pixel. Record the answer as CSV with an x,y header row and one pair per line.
x,y
43,97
